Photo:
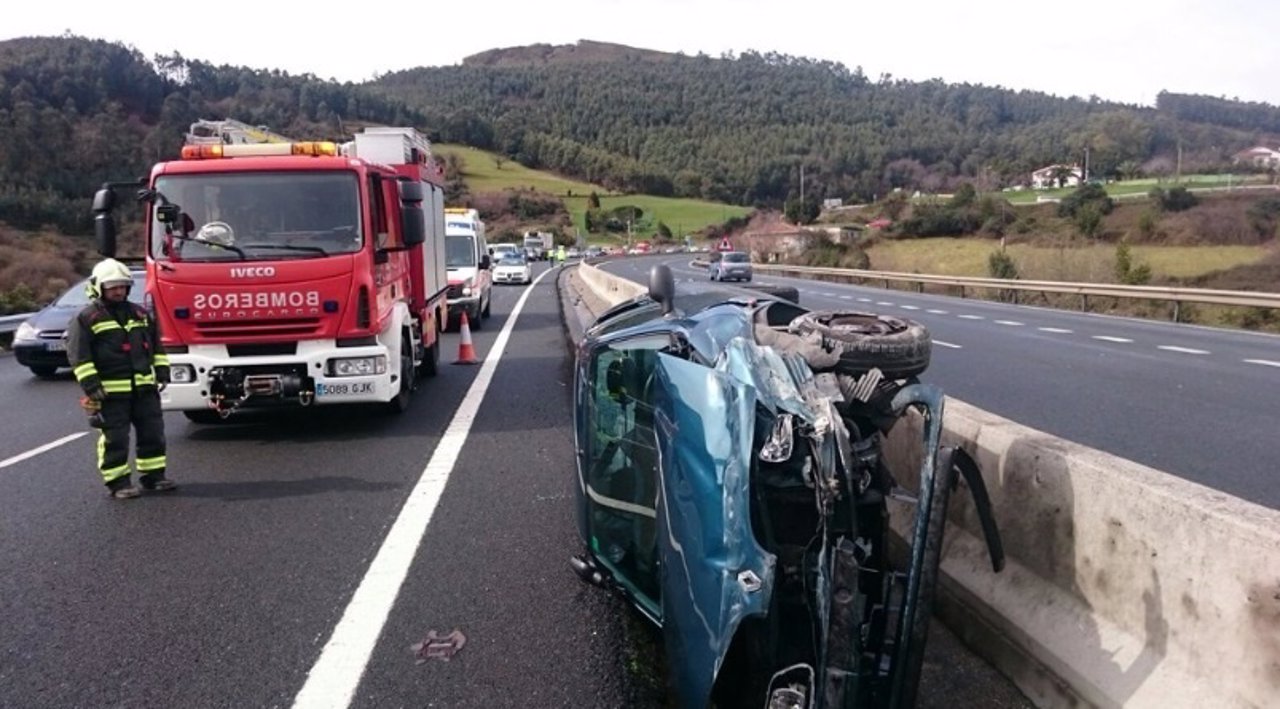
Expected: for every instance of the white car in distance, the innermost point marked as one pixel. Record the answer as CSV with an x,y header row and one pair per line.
x,y
513,268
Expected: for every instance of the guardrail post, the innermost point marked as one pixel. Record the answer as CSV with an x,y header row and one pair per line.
x,y
961,291
1084,302
1177,310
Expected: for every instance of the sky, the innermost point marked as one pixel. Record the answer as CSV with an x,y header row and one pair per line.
x,y
1118,50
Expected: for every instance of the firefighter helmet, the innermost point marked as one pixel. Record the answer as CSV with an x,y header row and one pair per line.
x,y
109,273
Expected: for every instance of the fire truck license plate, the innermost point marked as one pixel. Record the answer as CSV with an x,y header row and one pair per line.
x,y
352,389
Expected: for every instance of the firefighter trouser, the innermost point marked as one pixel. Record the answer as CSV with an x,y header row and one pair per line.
x,y
141,409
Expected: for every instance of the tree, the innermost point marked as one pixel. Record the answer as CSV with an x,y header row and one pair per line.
x,y
1088,220
801,212
593,200
664,232
1126,271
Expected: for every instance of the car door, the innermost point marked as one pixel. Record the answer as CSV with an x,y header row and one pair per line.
x,y
618,465
714,572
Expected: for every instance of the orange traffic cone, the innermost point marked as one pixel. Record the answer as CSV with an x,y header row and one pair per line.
x,y
466,351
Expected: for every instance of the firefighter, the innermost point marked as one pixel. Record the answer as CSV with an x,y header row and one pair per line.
x,y
560,254
114,349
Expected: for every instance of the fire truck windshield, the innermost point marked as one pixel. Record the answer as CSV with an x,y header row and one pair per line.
x,y
259,215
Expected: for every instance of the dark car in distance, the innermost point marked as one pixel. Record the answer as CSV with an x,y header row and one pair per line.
x,y
730,485
40,343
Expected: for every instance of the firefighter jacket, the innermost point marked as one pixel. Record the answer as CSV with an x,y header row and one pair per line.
x,y
116,347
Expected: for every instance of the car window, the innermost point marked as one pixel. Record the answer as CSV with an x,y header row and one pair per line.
x,y
736,258
622,474
512,260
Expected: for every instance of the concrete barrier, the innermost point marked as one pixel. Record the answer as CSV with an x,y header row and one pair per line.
x,y
1125,586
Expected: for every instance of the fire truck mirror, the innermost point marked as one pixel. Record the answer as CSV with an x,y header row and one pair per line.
x,y
104,227
413,223
412,219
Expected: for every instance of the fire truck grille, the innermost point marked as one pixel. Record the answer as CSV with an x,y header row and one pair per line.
x,y
294,327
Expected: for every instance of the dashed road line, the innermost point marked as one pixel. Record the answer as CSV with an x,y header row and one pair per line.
x,y
1011,323
1108,338
909,307
940,343
1057,330
884,303
1263,362
935,311
971,317
864,300
846,297
41,449
1184,350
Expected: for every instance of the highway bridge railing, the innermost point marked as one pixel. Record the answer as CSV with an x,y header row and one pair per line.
x,y
1124,585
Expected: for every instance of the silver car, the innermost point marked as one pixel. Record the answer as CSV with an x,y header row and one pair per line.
x,y
732,265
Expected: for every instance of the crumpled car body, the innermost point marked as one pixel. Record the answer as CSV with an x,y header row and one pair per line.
x,y
736,497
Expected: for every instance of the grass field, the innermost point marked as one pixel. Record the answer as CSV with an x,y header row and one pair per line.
x,y
968,257
1132,188
486,172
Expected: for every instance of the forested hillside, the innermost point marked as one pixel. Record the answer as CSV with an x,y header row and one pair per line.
x,y
76,112
738,129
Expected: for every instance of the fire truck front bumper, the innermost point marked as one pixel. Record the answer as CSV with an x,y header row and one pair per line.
x,y
317,373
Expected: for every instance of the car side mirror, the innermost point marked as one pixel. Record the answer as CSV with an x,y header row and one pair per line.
x,y
662,287
485,262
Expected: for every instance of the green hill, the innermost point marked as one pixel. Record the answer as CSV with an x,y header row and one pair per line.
x,y
487,172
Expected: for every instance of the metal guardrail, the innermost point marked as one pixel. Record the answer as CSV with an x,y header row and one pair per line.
x,y
1172,294
9,323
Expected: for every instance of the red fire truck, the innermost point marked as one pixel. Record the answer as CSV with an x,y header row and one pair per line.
x,y
293,273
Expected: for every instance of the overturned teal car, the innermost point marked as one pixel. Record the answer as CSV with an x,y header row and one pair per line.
x,y
731,485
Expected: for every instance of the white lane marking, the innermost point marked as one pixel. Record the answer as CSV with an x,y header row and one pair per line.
x,y
909,307
846,297
971,317
947,344
1012,323
1059,330
864,300
42,449
1184,350
1264,362
334,678
884,303
1108,338
935,311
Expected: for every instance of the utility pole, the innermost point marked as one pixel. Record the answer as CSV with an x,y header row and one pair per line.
x,y
1086,163
1178,179
801,185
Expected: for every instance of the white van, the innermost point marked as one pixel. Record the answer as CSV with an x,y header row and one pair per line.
x,y
468,264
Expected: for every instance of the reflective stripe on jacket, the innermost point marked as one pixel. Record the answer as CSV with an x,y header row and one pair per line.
x,y
118,356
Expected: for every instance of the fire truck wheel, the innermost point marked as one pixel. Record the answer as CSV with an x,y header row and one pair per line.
x,y
431,360
408,377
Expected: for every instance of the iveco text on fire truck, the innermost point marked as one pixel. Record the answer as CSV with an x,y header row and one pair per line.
x,y
293,272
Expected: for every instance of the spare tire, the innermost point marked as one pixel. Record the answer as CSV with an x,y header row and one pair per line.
x,y
900,348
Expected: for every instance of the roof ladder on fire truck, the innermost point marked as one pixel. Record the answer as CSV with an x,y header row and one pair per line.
x,y
231,132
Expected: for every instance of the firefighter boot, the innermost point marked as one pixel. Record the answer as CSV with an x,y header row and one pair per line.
x,y
157,482
122,489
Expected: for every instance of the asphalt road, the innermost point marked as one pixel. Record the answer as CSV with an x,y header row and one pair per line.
x,y
224,592
229,591
1200,403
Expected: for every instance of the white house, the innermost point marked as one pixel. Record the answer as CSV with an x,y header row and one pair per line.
x,y
1047,176
1259,156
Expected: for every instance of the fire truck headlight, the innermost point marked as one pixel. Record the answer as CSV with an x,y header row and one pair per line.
x,y
357,366
182,374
